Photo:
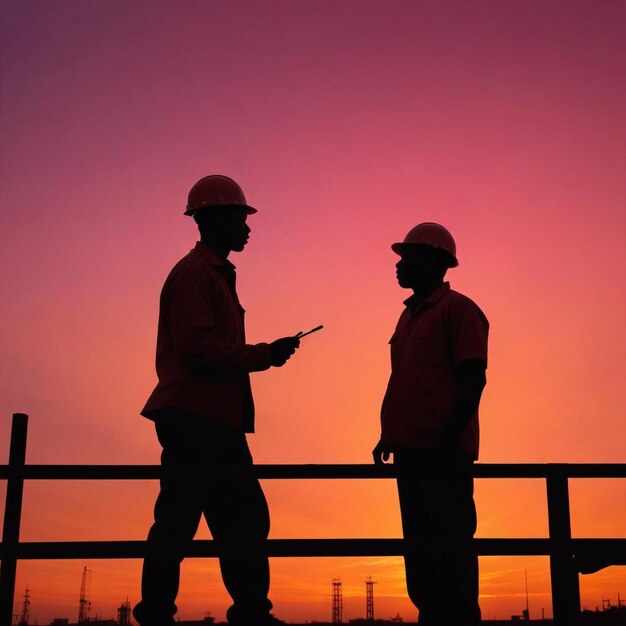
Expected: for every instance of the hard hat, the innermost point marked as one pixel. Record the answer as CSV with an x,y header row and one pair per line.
x,y
430,234
216,190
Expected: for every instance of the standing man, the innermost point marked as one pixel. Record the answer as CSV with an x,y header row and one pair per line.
x,y
429,423
202,407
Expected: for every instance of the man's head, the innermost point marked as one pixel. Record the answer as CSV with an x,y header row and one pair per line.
x,y
219,207
225,227
426,253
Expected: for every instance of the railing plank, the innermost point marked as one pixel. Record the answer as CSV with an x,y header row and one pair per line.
x,y
12,516
304,548
315,471
563,573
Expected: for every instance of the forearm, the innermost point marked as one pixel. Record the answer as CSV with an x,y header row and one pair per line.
x,y
205,351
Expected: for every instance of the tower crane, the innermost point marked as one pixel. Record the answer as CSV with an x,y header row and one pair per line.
x,y
84,604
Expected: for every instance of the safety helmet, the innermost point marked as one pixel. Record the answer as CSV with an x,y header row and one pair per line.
x,y
430,234
216,190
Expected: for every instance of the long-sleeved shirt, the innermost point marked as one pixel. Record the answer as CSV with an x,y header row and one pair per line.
x,y
202,358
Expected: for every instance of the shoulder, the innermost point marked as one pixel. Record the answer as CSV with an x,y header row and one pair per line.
x,y
193,262
191,269
457,304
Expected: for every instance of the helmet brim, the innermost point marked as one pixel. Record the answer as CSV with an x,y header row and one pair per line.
x,y
249,209
398,247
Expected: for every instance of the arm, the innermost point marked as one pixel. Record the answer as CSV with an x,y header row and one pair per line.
x,y
468,337
471,381
190,306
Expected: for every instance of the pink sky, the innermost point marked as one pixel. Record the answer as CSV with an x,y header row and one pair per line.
x,y
346,123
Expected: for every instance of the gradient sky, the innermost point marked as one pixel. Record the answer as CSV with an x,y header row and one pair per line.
x,y
346,123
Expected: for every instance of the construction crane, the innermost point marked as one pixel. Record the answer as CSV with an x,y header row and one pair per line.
x,y
84,604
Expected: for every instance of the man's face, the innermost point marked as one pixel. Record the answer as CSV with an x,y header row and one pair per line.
x,y
419,266
229,224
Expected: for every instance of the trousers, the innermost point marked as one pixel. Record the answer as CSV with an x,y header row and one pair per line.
x,y
438,512
206,470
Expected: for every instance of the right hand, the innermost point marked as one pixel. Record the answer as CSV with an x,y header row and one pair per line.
x,y
282,349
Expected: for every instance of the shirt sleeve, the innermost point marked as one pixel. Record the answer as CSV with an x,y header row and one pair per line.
x,y
469,331
191,309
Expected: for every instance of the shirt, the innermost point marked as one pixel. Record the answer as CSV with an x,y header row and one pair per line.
x,y
429,342
202,359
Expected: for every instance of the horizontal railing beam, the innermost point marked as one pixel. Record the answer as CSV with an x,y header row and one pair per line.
x,y
301,548
315,471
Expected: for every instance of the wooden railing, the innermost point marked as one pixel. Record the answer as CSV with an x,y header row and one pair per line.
x,y
559,546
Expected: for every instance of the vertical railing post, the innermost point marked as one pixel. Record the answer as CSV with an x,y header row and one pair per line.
x,y
563,573
12,516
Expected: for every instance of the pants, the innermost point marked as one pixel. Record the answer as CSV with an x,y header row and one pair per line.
x,y
207,470
442,573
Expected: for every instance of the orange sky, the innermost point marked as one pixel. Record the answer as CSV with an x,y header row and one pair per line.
x,y
346,124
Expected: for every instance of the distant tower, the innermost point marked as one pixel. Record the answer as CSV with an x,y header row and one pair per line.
x,y
337,602
25,609
526,611
123,613
369,599
84,605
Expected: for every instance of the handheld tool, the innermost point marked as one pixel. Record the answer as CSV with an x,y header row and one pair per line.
x,y
308,332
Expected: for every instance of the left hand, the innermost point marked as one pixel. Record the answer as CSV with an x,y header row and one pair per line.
x,y
381,453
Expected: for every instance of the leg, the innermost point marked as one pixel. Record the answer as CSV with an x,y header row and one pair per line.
x,y
423,560
177,513
237,514
442,575
454,515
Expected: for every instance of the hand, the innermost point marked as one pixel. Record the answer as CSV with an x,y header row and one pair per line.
x,y
282,349
381,453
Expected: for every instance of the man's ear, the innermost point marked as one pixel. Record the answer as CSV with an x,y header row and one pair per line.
x,y
204,218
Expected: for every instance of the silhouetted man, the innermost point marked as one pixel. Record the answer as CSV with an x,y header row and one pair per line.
x,y
202,407
429,421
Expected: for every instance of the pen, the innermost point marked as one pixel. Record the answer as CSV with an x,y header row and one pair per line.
x,y
308,332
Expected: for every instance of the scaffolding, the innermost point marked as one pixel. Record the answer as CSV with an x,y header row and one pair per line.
x,y
337,602
124,613
369,599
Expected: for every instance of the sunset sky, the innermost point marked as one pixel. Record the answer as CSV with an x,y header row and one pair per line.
x,y
346,122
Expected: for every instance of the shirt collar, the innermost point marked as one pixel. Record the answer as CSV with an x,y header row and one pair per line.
x,y
212,258
433,298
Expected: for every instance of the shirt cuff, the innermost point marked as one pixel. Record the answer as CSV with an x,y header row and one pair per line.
x,y
262,358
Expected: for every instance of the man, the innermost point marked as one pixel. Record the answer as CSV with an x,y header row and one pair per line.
x,y
202,407
429,423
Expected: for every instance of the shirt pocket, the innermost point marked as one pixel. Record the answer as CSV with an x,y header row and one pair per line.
x,y
428,351
228,320
226,311
394,347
